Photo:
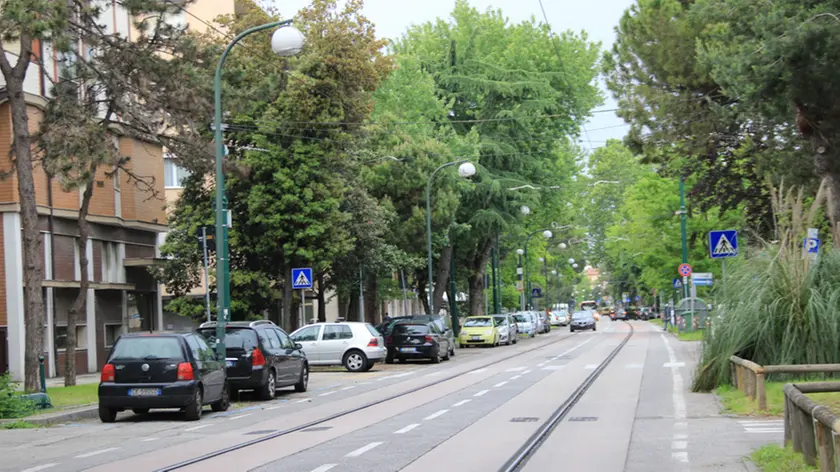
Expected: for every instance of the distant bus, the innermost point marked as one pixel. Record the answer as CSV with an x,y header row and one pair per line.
x,y
589,305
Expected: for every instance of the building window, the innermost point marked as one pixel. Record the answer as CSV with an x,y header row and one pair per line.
x,y
112,332
61,337
173,175
110,262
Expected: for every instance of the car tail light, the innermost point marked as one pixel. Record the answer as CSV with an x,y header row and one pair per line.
x,y
373,342
108,373
185,371
257,358
429,339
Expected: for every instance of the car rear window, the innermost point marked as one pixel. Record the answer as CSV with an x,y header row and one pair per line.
x,y
372,330
521,318
236,338
148,348
411,329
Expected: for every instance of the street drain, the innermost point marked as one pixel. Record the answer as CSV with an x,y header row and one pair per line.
x,y
584,418
317,428
524,419
267,431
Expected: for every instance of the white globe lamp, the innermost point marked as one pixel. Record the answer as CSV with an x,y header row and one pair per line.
x,y
287,41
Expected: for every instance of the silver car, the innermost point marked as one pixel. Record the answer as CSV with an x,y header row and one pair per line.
x,y
355,345
506,325
525,323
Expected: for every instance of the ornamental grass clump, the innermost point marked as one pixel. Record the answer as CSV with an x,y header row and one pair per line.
x,y
779,307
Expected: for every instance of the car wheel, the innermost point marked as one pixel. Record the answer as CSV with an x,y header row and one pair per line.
x,y
594,328
571,330
269,389
446,357
368,366
436,358
303,383
224,401
107,415
515,340
452,351
193,411
355,361
140,411
389,359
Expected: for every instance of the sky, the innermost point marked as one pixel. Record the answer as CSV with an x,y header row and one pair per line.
x,y
597,17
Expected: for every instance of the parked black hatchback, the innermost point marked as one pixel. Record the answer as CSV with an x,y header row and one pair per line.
x,y
412,340
261,357
148,371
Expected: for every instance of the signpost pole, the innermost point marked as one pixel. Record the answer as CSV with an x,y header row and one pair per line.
x,y
206,272
302,307
723,276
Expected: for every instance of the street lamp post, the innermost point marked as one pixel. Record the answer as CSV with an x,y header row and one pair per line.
x,y
519,253
465,170
547,234
286,41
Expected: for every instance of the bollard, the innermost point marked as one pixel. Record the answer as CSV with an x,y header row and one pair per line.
x,y
789,406
760,391
825,447
42,373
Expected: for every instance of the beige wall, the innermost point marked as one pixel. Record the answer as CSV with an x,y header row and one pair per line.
x,y
207,11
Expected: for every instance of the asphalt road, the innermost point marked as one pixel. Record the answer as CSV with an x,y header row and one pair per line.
x,y
471,413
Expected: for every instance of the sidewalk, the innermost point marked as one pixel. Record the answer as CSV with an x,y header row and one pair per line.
x,y
80,380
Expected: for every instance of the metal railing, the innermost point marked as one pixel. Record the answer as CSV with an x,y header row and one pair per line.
x,y
750,377
810,428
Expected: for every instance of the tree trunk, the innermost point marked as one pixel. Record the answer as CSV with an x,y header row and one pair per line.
x,y
421,292
33,276
322,305
827,170
371,298
442,277
288,294
84,283
476,279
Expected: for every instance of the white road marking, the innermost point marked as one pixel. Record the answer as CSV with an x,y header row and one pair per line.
x,y
274,407
326,394
552,367
516,369
462,402
302,401
680,456
358,452
407,428
527,372
634,366
678,399
324,468
542,364
150,439
96,453
196,428
764,430
364,383
591,366
241,416
481,393
433,374
348,388
515,377
680,436
477,371
41,467
763,426
500,384
435,415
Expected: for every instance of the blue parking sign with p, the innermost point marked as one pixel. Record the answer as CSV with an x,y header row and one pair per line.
x,y
812,245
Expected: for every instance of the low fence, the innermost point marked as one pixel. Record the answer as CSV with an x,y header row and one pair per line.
x,y
750,377
810,428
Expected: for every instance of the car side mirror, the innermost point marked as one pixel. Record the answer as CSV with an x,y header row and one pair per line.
x,y
298,346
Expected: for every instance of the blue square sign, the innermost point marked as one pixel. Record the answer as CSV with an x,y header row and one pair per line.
x,y
302,278
723,244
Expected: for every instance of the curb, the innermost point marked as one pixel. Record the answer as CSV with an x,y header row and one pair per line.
x,y
749,465
64,416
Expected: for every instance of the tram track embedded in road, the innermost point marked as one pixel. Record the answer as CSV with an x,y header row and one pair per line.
x,y
349,411
518,460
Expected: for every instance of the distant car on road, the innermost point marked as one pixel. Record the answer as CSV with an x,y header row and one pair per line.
x,y
621,314
412,340
260,356
526,323
477,331
355,345
508,332
560,318
582,320
146,371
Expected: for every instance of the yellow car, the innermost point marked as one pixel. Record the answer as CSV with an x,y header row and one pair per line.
x,y
477,331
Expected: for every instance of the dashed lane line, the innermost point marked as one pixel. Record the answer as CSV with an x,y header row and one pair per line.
x,y
407,428
358,452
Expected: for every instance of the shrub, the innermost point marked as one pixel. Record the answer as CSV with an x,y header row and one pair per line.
x,y
11,404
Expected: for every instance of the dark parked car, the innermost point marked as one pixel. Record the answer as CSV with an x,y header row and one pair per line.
x,y
413,340
621,314
147,371
440,321
261,357
582,320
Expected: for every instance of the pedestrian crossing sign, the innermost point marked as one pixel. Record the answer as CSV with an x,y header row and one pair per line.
x,y
723,244
302,278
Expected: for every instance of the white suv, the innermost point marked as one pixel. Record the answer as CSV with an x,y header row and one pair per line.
x,y
355,345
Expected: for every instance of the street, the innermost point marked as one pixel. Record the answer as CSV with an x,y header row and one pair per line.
x,y
475,412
